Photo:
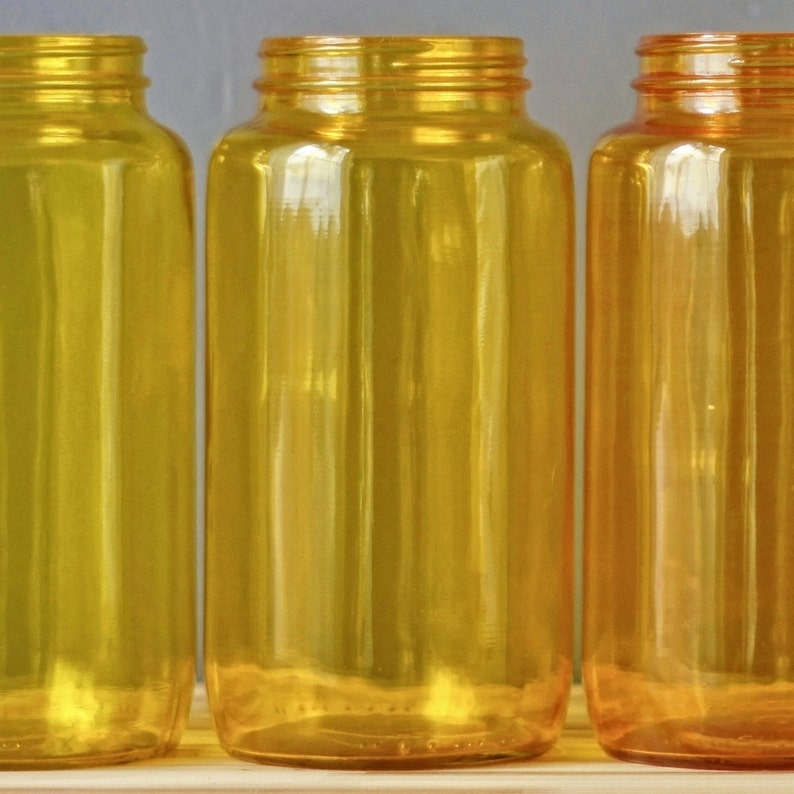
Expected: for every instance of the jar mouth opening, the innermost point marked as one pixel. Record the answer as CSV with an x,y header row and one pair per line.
x,y
447,44
660,43
69,44
392,62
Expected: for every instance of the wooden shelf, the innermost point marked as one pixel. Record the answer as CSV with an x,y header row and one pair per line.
x,y
576,764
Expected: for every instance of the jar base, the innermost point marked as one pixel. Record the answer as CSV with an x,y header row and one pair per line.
x,y
41,750
308,717
44,729
750,742
386,742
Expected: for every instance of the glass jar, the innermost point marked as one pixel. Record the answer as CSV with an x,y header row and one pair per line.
x,y
96,409
689,464
389,410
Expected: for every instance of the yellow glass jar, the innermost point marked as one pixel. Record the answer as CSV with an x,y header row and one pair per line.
x,y
689,466
96,409
389,410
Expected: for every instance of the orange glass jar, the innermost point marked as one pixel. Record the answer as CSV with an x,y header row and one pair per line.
x,y
389,410
689,466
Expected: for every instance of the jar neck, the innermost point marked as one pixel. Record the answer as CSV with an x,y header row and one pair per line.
x,y
72,69
347,76
713,74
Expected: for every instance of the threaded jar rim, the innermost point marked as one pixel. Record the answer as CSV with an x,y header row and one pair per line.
x,y
67,60
377,62
719,60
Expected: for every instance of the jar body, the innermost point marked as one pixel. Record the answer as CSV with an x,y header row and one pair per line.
x,y
389,442
96,423
689,463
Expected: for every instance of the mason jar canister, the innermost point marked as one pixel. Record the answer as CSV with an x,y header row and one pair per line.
x,y
96,409
689,462
389,456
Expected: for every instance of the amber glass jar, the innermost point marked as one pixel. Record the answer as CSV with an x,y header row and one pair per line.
x,y
96,409
389,417
689,636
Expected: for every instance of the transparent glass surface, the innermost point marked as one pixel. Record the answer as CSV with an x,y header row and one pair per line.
x,y
96,417
389,436
689,468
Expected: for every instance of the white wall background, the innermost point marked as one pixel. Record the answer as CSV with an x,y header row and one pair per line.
x,y
202,53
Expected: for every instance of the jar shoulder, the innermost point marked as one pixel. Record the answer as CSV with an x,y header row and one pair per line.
x,y
515,138
123,133
646,141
